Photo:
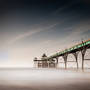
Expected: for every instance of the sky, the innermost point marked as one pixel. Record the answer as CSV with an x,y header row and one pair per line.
x,y
29,28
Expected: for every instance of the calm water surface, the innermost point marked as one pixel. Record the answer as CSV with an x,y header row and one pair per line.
x,y
44,79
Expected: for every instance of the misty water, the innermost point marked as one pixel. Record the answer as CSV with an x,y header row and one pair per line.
x,y
44,79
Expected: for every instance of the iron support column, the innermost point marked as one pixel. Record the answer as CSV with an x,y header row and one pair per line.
x,y
76,57
83,54
65,60
56,61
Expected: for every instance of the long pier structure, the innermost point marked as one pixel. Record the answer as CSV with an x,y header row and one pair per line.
x,y
52,61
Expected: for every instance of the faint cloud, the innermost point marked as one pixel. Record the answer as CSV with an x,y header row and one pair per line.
x,y
30,33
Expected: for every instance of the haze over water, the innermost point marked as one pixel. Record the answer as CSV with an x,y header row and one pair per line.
x,y
44,79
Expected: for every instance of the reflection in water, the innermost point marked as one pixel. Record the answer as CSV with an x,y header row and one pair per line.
x,y
43,79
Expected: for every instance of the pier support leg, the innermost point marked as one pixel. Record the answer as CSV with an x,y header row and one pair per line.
x,y
57,61
48,63
76,57
35,64
83,54
65,60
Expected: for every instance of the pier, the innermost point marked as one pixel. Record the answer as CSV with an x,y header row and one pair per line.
x,y
52,61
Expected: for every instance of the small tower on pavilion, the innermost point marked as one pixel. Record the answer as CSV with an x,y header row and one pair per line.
x,y
44,61
44,56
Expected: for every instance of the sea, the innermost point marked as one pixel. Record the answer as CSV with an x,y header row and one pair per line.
x,y
44,79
